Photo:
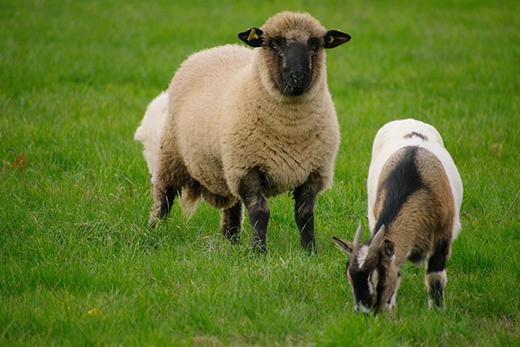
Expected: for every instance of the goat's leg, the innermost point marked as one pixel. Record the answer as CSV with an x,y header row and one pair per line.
x,y
305,201
436,274
252,193
231,222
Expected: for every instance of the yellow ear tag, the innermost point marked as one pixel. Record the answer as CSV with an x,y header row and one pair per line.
x,y
252,35
330,39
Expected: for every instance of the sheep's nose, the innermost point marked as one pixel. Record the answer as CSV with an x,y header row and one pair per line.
x,y
298,76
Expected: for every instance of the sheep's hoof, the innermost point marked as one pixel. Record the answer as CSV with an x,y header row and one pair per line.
x,y
232,235
259,248
233,239
310,248
152,223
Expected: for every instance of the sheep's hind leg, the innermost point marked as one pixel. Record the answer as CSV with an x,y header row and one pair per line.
x,y
169,178
252,193
436,275
163,201
232,221
305,201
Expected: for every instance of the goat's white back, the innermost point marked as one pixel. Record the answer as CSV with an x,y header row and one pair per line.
x,y
395,135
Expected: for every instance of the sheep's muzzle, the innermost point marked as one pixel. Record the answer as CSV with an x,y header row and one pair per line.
x,y
297,70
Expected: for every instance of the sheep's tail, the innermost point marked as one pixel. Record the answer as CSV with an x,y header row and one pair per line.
x,y
189,201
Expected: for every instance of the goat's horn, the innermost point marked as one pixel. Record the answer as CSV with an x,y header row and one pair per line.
x,y
378,238
357,237
375,244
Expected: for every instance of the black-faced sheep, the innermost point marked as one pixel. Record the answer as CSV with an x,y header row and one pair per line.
x,y
247,124
414,198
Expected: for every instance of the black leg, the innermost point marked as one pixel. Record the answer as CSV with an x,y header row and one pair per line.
x,y
305,200
252,193
163,201
436,274
232,221
170,177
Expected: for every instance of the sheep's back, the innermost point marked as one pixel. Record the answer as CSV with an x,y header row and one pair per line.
x,y
196,93
225,124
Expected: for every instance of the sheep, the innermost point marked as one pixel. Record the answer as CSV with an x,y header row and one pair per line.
x,y
245,124
414,197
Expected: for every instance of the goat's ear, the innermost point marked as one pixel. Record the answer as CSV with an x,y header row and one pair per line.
x,y
252,37
344,245
334,38
388,251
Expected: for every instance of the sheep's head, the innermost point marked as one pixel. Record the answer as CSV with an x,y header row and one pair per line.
x,y
371,271
292,46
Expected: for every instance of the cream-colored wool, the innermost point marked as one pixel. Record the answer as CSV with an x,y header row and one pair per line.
x,y
226,117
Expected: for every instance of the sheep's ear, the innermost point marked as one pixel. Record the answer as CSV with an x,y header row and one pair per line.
x,y
252,37
388,251
344,245
334,38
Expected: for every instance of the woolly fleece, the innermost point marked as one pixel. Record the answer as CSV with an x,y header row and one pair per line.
x,y
226,117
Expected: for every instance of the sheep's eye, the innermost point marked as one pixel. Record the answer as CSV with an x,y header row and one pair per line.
x,y
275,45
314,45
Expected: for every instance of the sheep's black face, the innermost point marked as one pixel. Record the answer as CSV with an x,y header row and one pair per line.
x,y
294,65
293,54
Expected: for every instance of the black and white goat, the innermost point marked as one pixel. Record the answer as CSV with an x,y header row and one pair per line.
x,y
414,197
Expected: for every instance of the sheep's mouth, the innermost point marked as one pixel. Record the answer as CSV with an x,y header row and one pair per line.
x,y
295,91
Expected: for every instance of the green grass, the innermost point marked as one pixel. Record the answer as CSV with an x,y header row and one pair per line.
x,y
78,266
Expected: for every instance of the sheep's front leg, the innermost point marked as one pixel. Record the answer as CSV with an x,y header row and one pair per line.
x,y
232,221
305,201
436,274
252,193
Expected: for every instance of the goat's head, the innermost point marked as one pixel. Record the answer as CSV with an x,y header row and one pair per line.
x,y
292,45
371,271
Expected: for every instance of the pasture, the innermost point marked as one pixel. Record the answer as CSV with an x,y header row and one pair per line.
x,y
79,266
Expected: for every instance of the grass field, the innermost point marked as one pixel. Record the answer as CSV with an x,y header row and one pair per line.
x,y
78,266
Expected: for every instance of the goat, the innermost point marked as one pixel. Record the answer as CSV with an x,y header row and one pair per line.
x,y
414,198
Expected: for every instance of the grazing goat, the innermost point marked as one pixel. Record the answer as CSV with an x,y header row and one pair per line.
x,y
414,197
